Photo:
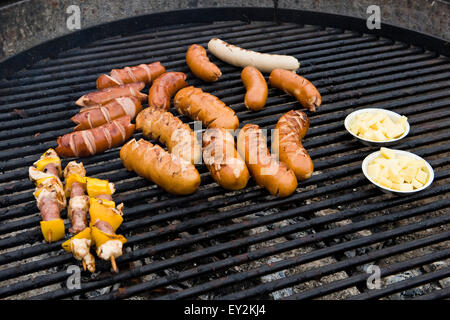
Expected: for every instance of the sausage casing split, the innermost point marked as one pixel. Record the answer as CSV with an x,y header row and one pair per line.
x,y
142,73
222,159
287,142
93,117
170,130
240,57
256,87
92,141
164,87
205,107
197,60
275,176
301,88
103,96
152,162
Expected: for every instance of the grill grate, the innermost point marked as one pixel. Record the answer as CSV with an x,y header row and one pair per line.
x,y
217,244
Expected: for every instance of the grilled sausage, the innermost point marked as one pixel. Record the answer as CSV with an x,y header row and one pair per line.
x,y
223,161
142,73
93,117
164,87
92,141
275,176
205,107
168,129
201,67
152,162
256,87
240,57
293,84
287,143
103,96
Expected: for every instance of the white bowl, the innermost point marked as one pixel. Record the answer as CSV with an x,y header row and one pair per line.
x,y
371,143
376,154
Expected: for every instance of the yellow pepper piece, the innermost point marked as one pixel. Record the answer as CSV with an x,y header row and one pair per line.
x,y
101,237
106,203
53,229
98,211
70,180
96,187
40,165
85,234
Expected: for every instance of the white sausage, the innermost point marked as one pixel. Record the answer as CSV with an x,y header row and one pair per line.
x,y
240,57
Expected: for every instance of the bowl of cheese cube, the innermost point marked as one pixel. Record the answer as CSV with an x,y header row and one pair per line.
x,y
397,172
377,127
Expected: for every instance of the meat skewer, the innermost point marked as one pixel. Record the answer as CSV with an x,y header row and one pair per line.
x,y
49,194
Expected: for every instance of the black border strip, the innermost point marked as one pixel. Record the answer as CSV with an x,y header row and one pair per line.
x,y
52,47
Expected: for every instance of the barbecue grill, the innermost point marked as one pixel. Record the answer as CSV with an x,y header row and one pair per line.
x,y
216,244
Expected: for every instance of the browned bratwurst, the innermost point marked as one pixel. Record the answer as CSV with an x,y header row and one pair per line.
x,y
164,87
287,142
92,141
293,84
103,96
256,87
205,107
142,73
275,176
79,201
222,160
201,67
93,117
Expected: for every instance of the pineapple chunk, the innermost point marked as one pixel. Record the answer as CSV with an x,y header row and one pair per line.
x,y
388,153
422,176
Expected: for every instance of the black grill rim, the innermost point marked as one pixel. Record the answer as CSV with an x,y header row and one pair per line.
x,y
207,15
433,83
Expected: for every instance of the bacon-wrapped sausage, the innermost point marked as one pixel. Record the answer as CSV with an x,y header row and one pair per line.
x,y
142,73
92,141
93,117
103,96
164,87
287,142
170,130
49,194
203,106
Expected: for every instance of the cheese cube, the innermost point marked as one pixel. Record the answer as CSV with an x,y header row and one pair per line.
x,y
408,173
396,131
375,118
355,126
396,186
422,176
388,153
403,121
406,187
385,182
416,184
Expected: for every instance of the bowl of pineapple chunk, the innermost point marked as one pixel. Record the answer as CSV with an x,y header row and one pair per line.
x,y
397,172
377,127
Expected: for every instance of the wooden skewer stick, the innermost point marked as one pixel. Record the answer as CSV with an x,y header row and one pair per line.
x,y
84,265
113,263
